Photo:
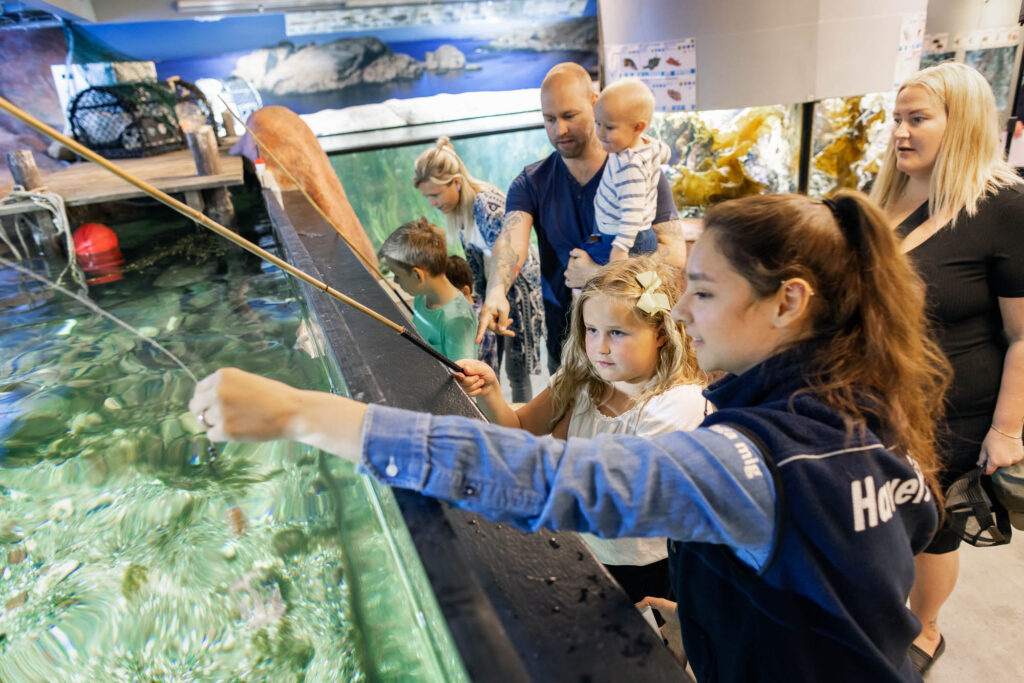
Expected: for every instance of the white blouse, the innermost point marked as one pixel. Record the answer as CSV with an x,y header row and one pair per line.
x,y
679,409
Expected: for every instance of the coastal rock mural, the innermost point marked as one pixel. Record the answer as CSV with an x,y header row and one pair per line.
x,y
285,69
362,70
312,71
573,34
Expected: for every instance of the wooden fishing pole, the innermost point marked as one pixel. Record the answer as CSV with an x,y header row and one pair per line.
x,y
208,222
369,264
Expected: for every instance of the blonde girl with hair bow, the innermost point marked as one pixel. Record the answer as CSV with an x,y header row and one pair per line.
x,y
627,368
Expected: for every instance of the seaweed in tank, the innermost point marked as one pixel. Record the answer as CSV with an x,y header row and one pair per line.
x,y
849,138
727,154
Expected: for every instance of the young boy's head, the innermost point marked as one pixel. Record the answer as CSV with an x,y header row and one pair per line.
x,y
460,275
622,113
415,252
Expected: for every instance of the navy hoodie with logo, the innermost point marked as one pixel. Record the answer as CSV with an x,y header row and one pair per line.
x,y
830,602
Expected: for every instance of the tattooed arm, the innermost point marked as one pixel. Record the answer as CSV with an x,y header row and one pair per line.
x,y
507,259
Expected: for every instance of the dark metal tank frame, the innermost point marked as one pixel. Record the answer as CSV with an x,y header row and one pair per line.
x,y
520,607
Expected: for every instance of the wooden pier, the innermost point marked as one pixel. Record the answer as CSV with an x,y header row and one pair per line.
x,y
86,183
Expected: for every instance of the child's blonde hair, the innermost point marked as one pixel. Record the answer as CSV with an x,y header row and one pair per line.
x,y
677,360
417,244
634,96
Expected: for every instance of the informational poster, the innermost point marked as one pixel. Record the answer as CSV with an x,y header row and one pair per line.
x,y
984,38
910,47
937,49
669,68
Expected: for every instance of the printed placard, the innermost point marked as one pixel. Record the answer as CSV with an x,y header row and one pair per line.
x,y
910,47
668,67
936,43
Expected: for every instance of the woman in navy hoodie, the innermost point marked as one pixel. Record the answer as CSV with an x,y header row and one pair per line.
x,y
796,508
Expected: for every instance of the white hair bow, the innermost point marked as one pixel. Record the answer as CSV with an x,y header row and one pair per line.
x,y
651,301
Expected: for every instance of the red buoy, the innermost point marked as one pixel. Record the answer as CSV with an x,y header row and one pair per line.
x,y
91,238
98,253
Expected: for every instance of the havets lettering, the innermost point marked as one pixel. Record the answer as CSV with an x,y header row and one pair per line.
x,y
875,504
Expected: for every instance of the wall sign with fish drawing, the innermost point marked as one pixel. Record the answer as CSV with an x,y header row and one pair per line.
x,y
669,67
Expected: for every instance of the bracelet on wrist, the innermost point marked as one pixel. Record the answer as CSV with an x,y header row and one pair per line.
x,y
1008,436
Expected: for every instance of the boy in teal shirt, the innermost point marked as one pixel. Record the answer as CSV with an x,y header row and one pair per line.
x,y
417,254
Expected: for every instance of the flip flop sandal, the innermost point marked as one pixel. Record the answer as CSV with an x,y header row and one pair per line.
x,y
921,660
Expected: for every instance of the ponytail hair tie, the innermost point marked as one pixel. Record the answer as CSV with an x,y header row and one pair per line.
x,y
847,214
445,143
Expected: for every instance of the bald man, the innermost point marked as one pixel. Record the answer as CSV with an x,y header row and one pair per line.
x,y
555,197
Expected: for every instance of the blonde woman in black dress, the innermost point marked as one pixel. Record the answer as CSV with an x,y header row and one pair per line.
x,y
959,209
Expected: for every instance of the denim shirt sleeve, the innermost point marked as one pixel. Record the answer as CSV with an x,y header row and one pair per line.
x,y
705,485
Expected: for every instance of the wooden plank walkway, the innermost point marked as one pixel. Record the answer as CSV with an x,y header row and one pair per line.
x,y
174,172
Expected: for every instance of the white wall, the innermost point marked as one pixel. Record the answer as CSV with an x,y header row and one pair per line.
x,y
752,52
964,16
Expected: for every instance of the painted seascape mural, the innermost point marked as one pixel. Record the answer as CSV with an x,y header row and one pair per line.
x,y
311,61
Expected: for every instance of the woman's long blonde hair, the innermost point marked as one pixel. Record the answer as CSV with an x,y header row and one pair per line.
x,y
677,360
970,162
441,165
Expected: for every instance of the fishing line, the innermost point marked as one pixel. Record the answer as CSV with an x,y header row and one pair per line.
x,y
211,449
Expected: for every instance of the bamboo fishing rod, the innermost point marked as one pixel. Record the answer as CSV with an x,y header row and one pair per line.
x,y
186,210
373,268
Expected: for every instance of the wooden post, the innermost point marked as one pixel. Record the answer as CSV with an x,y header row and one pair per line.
x,y
25,173
203,144
229,125
23,168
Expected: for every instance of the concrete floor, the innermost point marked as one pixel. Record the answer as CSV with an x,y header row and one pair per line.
x,y
983,621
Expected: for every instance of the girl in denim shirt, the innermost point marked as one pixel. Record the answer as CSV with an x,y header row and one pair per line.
x,y
794,511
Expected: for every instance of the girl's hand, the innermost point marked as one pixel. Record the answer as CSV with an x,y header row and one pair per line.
x,y
477,378
239,406
998,450
670,630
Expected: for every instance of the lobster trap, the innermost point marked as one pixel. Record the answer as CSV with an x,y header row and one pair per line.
x,y
138,119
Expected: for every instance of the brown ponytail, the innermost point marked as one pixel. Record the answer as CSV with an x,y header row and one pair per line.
x,y
878,361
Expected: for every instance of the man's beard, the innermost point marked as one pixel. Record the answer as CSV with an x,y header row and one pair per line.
x,y
573,151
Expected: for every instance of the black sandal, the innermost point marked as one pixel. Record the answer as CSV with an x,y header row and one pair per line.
x,y
921,660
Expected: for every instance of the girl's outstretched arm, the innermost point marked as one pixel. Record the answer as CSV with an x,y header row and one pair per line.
x,y
480,382
238,406
690,486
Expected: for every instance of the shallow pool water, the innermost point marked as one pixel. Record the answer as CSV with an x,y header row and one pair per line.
x,y
131,551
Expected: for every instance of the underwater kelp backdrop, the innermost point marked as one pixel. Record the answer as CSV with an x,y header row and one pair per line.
x,y
379,182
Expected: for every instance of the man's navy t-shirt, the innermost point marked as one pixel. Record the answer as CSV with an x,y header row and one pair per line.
x,y
563,216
